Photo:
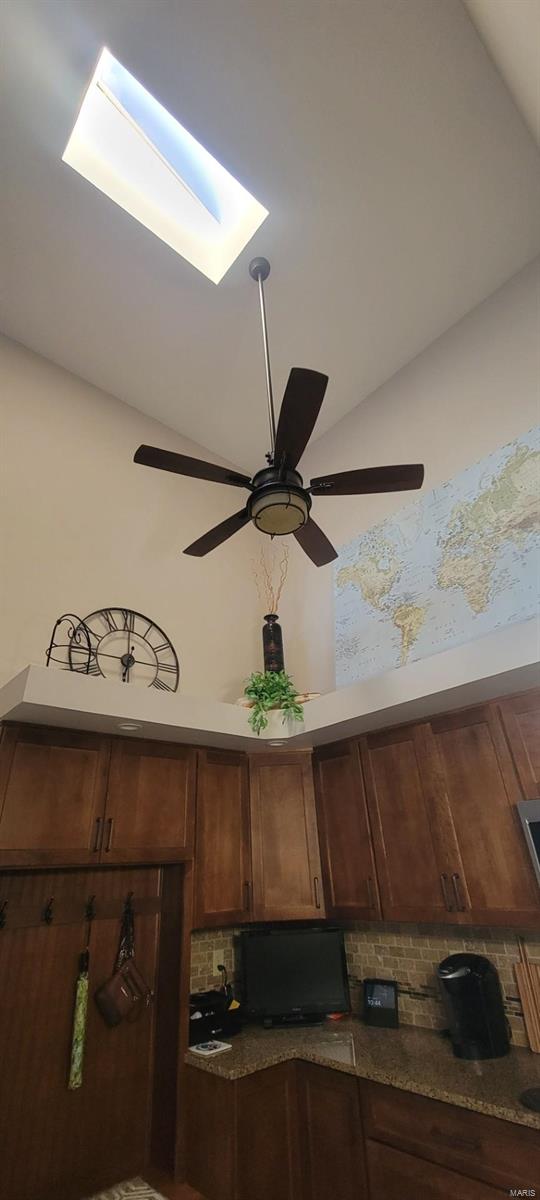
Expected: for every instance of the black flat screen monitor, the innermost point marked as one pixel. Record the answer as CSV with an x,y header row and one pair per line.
x,y
292,975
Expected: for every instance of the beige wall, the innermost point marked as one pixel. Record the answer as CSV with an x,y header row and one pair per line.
x,y
82,527
473,390
409,954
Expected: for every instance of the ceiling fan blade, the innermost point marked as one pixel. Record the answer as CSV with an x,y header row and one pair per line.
x,y
218,534
301,405
369,479
182,464
315,543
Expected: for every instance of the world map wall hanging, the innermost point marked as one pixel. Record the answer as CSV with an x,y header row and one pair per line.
x,y
460,562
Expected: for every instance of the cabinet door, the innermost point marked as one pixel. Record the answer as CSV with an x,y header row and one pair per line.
x,y
498,884
52,796
347,860
411,827
397,1176
520,716
267,1164
331,1143
222,844
150,808
286,864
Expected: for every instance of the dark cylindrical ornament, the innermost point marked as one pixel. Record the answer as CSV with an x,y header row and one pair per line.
x,y
273,644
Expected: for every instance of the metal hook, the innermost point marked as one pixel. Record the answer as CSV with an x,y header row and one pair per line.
x,y
48,914
3,907
90,910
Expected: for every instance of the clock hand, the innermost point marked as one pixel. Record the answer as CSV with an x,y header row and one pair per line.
x,y
129,663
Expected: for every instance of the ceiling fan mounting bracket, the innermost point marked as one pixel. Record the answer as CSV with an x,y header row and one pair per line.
x,y
259,268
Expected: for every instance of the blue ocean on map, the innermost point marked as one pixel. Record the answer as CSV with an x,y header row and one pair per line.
x,y
458,563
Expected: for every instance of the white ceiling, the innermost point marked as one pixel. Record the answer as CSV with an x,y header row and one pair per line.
x,y
511,32
402,183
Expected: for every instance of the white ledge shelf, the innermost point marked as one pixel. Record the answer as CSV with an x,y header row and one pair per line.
x,y
502,662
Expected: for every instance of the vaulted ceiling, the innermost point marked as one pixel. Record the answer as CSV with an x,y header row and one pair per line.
x,y
402,183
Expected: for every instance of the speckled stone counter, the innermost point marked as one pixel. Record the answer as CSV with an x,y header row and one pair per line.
x,y
415,1060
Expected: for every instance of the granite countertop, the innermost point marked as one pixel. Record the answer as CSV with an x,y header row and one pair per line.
x,y
415,1060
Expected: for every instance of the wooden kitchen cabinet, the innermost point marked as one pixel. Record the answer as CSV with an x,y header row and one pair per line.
x,y
331,1142
397,1176
347,859
150,805
267,1159
285,848
415,848
493,880
52,796
223,886
486,1148
520,716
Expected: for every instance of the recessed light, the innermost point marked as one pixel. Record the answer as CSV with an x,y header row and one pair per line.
x,y
138,154
273,742
128,726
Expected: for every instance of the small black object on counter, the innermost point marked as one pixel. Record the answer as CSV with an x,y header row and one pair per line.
x,y
211,1017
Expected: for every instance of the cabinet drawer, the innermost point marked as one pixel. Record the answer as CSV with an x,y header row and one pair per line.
x,y
397,1176
487,1148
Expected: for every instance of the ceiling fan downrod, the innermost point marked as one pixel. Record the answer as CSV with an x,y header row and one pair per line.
x,y
259,269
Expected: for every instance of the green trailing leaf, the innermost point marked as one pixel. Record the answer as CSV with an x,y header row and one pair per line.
x,y
272,689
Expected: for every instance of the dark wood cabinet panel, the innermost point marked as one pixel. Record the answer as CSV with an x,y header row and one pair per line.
x,y
485,1148
287,881
267,1161
397,1176
210,1134
411,828
57,1142
331,1142
52,796
520,716
498,884
223,885
150,809
347,860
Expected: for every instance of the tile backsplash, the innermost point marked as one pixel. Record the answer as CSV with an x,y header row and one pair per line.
x,y
407,953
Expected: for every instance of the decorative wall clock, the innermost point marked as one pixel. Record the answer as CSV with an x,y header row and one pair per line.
x,y
126,647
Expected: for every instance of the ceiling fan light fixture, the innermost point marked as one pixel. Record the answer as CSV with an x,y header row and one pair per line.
x,y
279,511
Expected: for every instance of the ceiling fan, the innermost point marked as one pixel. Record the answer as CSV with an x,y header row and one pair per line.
x,y
279,503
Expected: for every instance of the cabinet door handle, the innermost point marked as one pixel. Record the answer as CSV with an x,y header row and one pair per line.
x,y
247,886
108,844
456,884
99,835
444,887
369,885
455,1141
316,890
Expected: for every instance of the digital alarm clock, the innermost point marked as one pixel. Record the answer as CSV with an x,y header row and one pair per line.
x,y
381,1003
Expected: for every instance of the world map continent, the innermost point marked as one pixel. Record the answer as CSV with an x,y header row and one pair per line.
x,y
461,561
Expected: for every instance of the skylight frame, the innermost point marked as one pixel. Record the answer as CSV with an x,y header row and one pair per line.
x,y
133,150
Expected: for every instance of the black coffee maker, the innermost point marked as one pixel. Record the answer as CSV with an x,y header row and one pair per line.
x,y
472,997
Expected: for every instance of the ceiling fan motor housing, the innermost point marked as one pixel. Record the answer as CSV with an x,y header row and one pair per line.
x,y
278,504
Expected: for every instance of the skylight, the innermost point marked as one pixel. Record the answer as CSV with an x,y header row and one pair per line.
x,y
133,150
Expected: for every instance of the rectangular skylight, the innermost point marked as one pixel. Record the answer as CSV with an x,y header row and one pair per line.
x,y
133,150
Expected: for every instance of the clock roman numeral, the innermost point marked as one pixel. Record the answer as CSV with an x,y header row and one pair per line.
x,y
129,620
167,667
162,646
158,683
109,620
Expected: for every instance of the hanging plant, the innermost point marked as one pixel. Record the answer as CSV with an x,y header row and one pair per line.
x,y
272,689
